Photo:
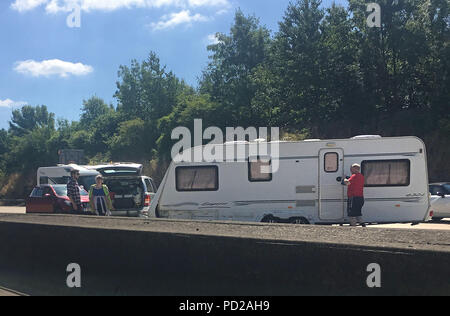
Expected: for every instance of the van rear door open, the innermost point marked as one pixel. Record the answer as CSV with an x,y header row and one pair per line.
x,y
121,170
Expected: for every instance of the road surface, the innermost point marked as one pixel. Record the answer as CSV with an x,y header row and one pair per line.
x,y
443,225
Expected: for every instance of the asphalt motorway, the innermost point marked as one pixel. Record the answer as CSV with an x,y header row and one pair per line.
x,y
443,225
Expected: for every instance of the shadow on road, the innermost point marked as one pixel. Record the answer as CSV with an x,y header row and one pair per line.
x,y
444,221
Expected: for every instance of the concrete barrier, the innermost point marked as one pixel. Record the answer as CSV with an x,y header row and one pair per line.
x,y
142,257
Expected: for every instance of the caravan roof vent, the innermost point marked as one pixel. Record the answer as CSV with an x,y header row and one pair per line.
x,y
260,140
238,142
367,137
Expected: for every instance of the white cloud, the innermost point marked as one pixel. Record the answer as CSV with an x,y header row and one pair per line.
x,y
53,67
26,5
212,39
209,3
55,6
175,19
8,103
223,11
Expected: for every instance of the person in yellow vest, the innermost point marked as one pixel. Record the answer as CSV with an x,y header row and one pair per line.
x,y
99,198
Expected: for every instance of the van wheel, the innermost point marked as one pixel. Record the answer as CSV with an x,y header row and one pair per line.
x,y
299,221
269,219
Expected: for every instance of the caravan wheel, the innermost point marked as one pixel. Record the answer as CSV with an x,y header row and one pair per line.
x,y
299,221
269,219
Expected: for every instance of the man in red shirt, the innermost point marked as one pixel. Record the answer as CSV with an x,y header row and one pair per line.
x,y
355,195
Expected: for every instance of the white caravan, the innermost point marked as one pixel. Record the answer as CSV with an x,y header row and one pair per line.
x,y
61,175
306,188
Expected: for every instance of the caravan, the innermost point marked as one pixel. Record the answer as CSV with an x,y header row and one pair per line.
x,y
305,187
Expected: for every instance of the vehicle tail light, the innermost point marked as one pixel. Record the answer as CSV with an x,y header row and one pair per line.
x,y
431,213
147,200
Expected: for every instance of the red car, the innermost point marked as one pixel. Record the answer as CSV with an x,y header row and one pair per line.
x,y
53,199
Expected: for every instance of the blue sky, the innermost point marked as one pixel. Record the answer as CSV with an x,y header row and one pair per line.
x,y
44,61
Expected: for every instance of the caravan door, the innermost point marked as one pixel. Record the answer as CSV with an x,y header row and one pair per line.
x,y
331,191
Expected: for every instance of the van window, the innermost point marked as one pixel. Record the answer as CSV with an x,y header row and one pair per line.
x,y
43,180
331,163
86,181
202,178
259,170
386,173
55,180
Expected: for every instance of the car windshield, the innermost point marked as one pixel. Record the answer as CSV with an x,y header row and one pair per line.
x,y
447,188
61,190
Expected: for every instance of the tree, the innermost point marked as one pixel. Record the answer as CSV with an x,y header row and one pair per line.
x,y
147,91
190,106
28,118
3,141
228,76
130,143
92,109
28,153
3,150
342,77
297,61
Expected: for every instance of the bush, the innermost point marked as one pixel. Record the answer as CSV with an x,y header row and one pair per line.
x,y
17,185
2,179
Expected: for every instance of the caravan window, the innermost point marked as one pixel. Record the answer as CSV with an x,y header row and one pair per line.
x,y
259,170
202,178
386,173
331,162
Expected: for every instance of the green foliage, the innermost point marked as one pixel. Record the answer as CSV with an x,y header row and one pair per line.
x,y
227,78
297,62
130,141
35,150
29,118
147,90
92,110
3,151
3,142
2,176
